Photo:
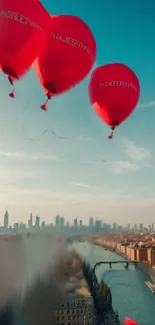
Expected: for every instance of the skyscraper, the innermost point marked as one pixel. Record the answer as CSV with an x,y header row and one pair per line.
x,y
75,223
37,222
6,220
62,222
81,223
30,222
91,222
57,221
141,227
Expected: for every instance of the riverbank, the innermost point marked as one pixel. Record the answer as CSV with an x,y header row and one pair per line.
x,y
144,266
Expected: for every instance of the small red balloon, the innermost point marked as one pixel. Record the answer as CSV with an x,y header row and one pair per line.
x,y
26,28
129,321
114,91
67,58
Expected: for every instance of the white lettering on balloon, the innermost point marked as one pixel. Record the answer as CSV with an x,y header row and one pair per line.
x,y
71,41
116,83
19,18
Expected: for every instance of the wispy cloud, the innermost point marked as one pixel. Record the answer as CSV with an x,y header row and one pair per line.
x,y
136,153
82,185
149,104
121,167
26,156
10,176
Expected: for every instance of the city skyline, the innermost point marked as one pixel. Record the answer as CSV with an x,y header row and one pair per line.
x,y
84,174
59,223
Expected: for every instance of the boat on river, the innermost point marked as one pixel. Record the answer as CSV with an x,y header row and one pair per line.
x,y
151,286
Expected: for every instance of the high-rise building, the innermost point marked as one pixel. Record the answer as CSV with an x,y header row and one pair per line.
x,y
6,220
43,225
30,221
98,225
57,221
80,223
37,225
75,223
16,226
114,226
68,224
91,222
141,227
62,222
135,227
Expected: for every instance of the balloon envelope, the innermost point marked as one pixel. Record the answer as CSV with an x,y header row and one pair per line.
x,y
26,27
114,91
68,56
129,321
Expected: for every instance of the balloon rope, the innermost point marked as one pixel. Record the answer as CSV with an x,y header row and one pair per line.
x,y
110,137
12,94
112,133
44,107
42,133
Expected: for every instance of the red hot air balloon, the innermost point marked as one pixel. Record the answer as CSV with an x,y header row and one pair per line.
x,y
68,56
114,91
129,321
26,28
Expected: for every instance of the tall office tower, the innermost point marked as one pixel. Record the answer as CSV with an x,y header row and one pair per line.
x,y
75,223
62,222
141,227
57,221
81,224
68,224
37,225
98,225
152,227
91,222
135,227
114,226
30,221
6,220
43,225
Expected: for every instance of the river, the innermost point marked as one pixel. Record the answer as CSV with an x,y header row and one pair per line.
x,y
130,294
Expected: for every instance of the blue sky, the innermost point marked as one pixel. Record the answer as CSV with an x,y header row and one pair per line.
x,y
49,176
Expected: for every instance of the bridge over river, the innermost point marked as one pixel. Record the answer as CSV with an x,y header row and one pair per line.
x,y
126,262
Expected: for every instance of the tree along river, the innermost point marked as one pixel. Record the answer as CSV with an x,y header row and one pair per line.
x,y
131,296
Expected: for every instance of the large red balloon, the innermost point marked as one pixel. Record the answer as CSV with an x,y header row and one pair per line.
x,y
114,91
25,28
68,56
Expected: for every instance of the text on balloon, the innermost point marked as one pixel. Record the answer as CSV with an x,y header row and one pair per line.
x,y
118,83
19,18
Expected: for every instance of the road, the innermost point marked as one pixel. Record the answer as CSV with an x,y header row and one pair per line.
x,y
130,294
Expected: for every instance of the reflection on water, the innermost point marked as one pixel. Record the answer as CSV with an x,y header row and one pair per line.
x,y
130,294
